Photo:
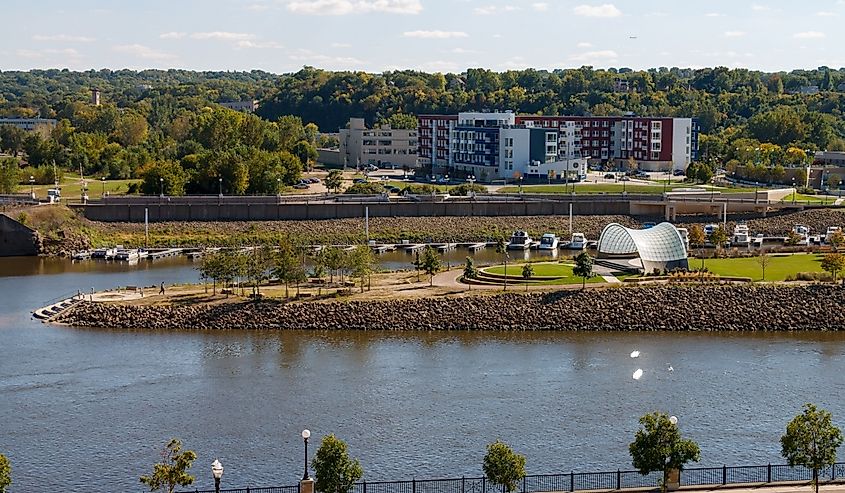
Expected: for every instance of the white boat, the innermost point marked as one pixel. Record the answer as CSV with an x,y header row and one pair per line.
x,y
758,240
709,229
684,232
831,230
519,241
577,242
741,236
104,253
803,233
127,255
548,242
83,255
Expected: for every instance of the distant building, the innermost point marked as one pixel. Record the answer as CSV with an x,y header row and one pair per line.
x,y
381,146
805,90
95,96
621,85
434,134
247,106
829,158
42,126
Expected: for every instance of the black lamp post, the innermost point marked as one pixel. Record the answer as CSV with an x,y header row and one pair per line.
x,y
306,434
103,181
31,186
161,186
520,184
794,191
217,472
220,183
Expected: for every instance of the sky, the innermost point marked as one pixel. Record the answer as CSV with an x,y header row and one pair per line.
x,y
281,36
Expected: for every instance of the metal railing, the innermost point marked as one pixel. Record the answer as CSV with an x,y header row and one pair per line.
x,y
582,481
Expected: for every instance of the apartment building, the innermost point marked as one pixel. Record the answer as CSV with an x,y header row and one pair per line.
x,y
383,146
434,134
42,126
245,106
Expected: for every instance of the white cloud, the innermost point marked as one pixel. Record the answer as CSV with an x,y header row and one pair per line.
x,y
497,36
808,35
344,7
461,51
258,7
341,45
435,34
540,6
734,34
223,36
245,43
760,8
172,35
826,14
65,38
494,9
595,57
40,54
584,44
144,52
714,14
657,14
309,57
603,10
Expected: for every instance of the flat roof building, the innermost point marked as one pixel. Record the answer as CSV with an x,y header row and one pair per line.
x,y
382,146
42,126
246,106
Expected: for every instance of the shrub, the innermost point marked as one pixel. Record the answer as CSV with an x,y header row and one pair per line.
x,y
365,188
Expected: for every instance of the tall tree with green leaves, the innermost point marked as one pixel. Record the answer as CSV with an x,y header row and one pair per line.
x,y
527,274
811,440
172,471
430,263
5,473
335,471
658,446
583,268
470,272
697,239
503,466
719,237
10,175
334,180
363,263
502,249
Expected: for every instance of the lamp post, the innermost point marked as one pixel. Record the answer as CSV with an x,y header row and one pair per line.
x,y
31,186
673,420
520,184
217,472
103,181
794,191
306,434
279,187
220,183
161,187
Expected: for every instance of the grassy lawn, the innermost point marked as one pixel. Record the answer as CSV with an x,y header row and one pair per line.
x,y
543,270
402,184
591,188
809,199
72,188
780,266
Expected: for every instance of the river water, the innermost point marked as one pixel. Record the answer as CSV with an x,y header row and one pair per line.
x,y
87,410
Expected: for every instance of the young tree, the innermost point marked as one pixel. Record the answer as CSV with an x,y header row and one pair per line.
x,y
286,265
417,263
503,466
10,175
527,273
811,441
719,237
258,265
502,249
172,471
658,446
430,263
697,239
5,473
335,471
334,260
837,239
763,260
363,263
583,267
833,263
793,238
470,272
334,180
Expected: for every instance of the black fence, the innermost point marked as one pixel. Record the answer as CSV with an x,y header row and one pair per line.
x,y
581,481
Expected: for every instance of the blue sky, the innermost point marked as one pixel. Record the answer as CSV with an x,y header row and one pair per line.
x,y
432,35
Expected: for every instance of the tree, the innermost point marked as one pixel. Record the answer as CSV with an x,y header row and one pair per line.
x,y
527,273
335,471
363,263
583,267
719,237
333,257
5,473
503,466
10,175
793,238
833,263
811,441
697,239
172,471
165,177
658,446
763,260
430,263
334,180
470,272
836,239
285,265
502,249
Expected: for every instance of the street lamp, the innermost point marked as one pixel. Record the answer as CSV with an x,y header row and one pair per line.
x,y
673,420
520,184
279,187
794,191
217,472
471,179
31,186
161,186
103,180
220,182
306,434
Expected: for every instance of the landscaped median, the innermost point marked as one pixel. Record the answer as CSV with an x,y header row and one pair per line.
x,y
637,308
544,274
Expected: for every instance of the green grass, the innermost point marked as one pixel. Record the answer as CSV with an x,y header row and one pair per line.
x,y
72,188
402,184
809,199
591,188
543,270
780,266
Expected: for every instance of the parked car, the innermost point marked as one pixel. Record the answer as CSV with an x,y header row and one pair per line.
x,y
301,186
679,172
624,178
372,167
609,176
315,180
392,189
359,180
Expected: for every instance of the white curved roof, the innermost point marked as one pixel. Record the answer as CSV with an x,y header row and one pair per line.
x,y
662,243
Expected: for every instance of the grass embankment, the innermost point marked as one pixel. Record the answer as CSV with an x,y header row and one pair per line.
x,y
563,273
779,268
596,188
71,187
800,198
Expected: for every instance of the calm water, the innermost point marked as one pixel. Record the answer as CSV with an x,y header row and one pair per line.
x,y
87,410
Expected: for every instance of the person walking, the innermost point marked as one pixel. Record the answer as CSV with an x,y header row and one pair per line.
x,y
161,289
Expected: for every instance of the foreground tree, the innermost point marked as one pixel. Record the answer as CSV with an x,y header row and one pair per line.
x,y
363,263
503,466
502,249
697,239
336,472
172,471
833,263
763,260
811,441
10,175
837,239
5,473
470,272
658,447
334,180
583,268
527,274
719,238
430,263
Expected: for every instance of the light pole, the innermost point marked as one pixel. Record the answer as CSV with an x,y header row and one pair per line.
x,y
673,420
103,180
161,187
520,184
794,191
31,186
217,472
306,434
220,183
279,187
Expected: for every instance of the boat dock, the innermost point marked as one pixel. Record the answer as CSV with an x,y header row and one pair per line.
x,y
475,247
169,252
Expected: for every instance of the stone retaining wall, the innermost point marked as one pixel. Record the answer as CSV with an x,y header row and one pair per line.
x,y
639,308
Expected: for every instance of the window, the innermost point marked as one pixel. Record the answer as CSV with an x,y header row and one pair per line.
x,y
655,155
655,125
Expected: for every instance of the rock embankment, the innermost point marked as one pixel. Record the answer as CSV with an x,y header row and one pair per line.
x,y
674,308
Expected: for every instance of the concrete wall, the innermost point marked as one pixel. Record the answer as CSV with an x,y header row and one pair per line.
x,y
16,239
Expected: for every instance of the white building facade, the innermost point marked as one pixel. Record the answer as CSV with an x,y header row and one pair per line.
x,y
382,147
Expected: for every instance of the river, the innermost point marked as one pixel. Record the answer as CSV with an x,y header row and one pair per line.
x,y
87,410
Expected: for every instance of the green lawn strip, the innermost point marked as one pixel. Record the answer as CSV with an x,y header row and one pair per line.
x,y
563,271
808,199
72,188
591,188
779,268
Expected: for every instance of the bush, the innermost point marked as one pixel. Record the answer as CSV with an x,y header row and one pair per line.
x,y
43,175
811,277
365,188
419,189
465,188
